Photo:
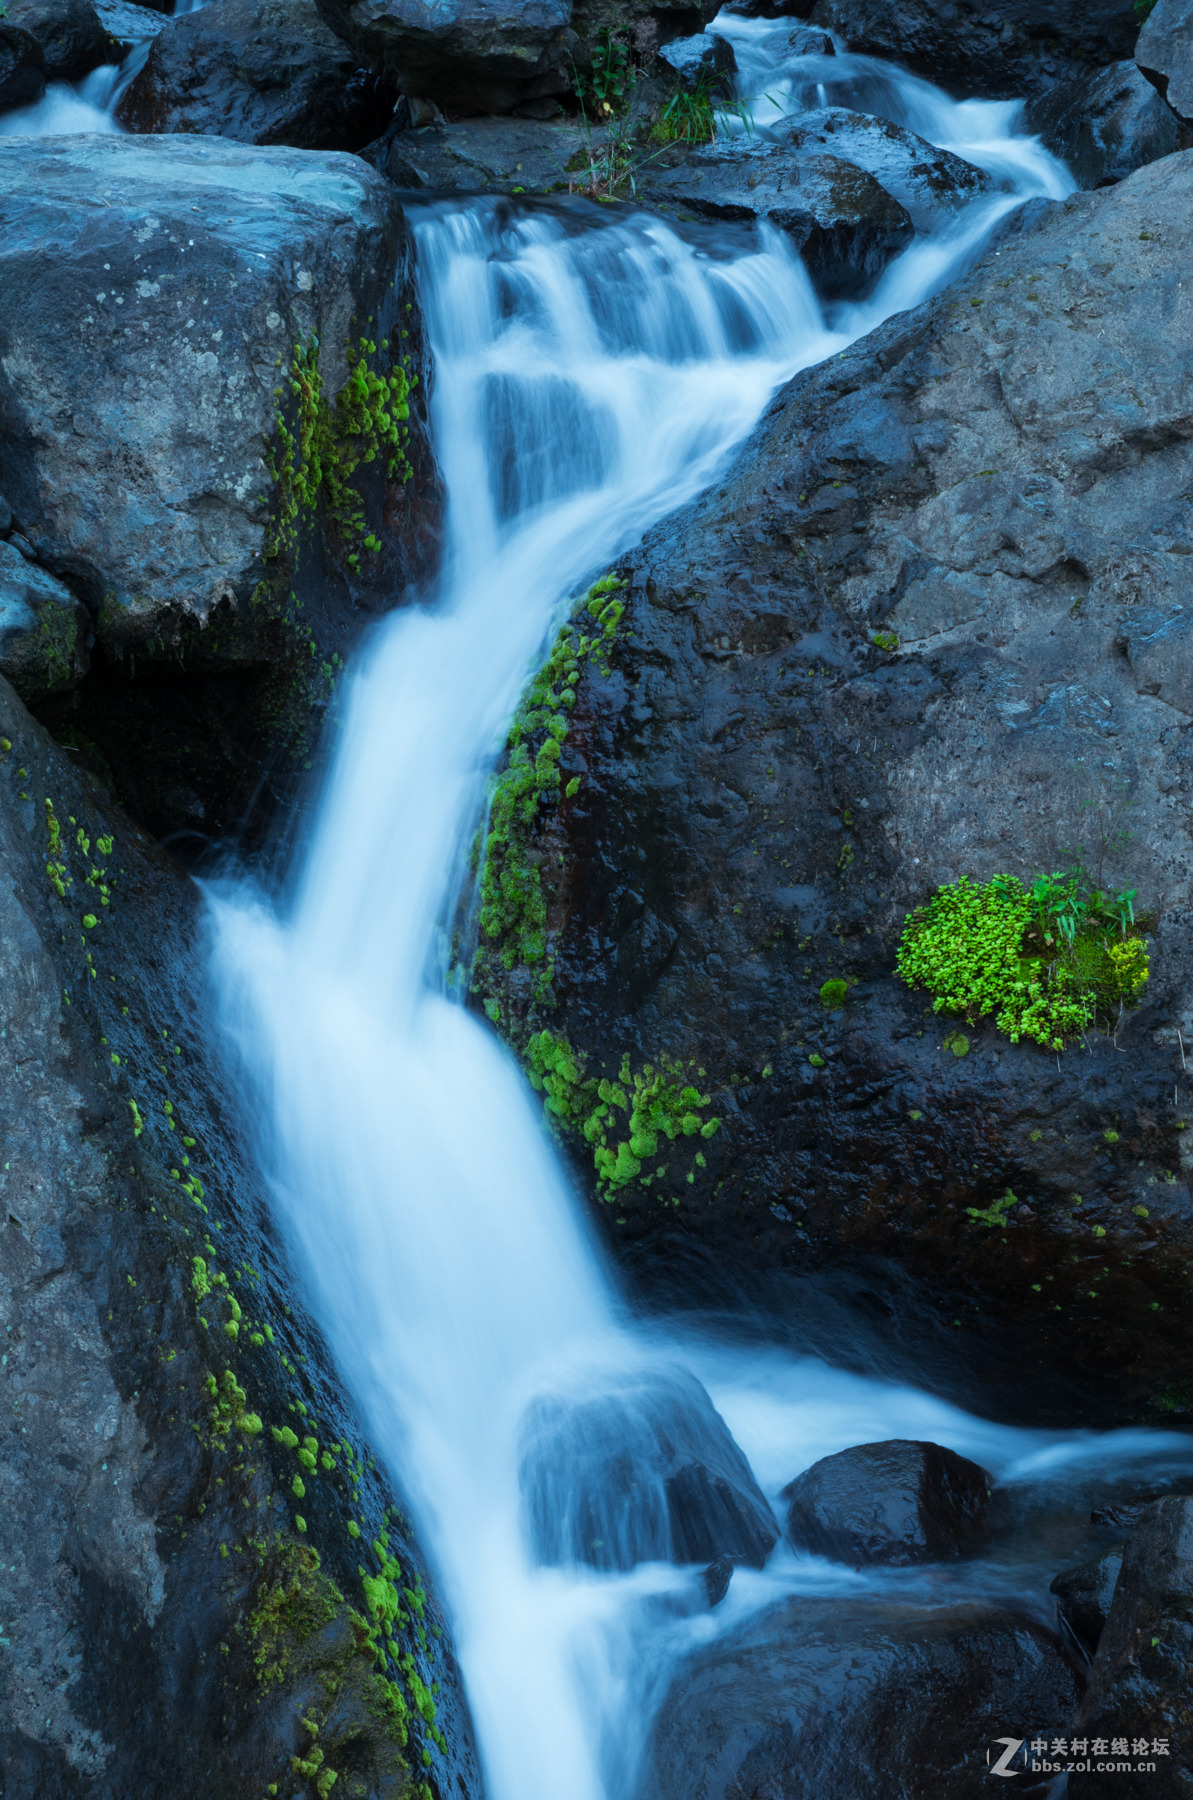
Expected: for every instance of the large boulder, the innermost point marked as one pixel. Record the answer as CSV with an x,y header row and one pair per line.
x,y
71,35
1164,51
1141,1682
928,182
269,73
151,370
171,1614
841,1699
22,68
1105,124
1020,49
645,1473
883,652
845,226
895,1502
492,55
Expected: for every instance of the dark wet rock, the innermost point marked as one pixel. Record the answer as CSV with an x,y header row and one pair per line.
x,y
716,1578
72,38
1139,1685
1021,49
1164,51
1105,124
925,181
1084,1595
895,1502
843,1699
845,226
491,56
22,68
44,631
705,58
646,1473
1000,480
138,423
483,155
268,73
166,1623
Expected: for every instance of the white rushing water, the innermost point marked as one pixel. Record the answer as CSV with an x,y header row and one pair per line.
x,y
592,371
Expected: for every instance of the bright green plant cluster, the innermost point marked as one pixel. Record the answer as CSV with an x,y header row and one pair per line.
x,y
513,907
834,993
689,117
320,455
1047,960
994,1215
605,93
625,1121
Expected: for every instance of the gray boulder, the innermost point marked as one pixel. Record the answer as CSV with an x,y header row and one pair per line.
x,y
43,629
268,73
140,397
127,23
927,182
896,1502
843,1699
1020,49
1105,124
705,58
1164,52
1139,1685
70,32
645,1473
493,55
843,222
22,68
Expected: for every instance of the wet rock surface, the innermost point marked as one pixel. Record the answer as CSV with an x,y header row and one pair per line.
x,y
166,1622
72,37
1139,1683
261,74
824,1699
1084,1595
22,68
1105,124
927,182
898,1502
44,631
1164,51
1021,49
186,276
648,1474
998,481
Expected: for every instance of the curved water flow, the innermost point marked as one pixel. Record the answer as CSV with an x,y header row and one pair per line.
x,y
69,110
592,372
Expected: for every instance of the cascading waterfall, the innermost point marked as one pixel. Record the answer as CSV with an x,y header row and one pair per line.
x,y
593,371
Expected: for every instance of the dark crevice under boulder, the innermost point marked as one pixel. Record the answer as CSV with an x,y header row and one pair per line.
x,y
1164,51
1105,124
646,1473
896,1502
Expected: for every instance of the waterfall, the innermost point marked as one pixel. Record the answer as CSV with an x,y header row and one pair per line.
x,y
592,372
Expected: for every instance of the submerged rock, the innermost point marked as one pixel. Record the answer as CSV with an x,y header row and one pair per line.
x,y
648,1473
1164,51
1139,1685
880,653
71,35
897,1502
844,1699
269,73
1106,124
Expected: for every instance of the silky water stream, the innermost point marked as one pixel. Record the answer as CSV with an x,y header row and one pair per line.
x,y
592,372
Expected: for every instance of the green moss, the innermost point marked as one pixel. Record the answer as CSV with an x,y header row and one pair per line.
x,y
1046,961
994,1214
885,640
624,1121
834,993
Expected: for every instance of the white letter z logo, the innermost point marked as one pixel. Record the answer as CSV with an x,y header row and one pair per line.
x,y
1001,1766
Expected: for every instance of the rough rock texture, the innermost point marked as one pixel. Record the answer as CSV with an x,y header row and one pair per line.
x,y
705,59
492,55
1084,1595
128,23
649,1473
927,182
845,226
72,39
44,631
833,1699
263,74
1141,1683
1019,50
1164,51
140,445
1104,126
896,1502
1000,478
164,1622
22,68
